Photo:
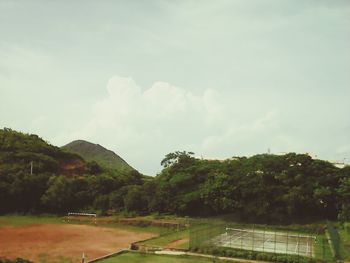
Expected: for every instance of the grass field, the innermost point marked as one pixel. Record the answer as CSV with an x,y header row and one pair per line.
x,y
136,257
344,234
169,239
322,248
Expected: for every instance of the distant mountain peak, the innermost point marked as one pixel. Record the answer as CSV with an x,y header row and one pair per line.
x,y
96,152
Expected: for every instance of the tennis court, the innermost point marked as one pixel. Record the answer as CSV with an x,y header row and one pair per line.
x,y
267,241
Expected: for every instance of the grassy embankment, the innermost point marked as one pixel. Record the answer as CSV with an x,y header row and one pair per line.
x,y
344,246
322,248
168,238
136,257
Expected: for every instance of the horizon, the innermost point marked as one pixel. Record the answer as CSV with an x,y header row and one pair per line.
x,y
337,163
146,79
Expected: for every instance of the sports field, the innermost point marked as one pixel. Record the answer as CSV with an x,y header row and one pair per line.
x,y
50,242
267,241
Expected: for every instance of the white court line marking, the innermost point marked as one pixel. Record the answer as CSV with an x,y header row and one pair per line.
x,y
234,240
273,233
239,237
229,242
233,234
266,240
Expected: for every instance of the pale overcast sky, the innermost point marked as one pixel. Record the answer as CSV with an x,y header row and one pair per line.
x,y
145,78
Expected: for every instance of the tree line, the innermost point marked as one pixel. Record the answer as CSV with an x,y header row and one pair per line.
x,y
265,187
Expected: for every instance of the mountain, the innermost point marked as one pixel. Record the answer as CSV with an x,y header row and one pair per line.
x,y
28,152
95,152
37,177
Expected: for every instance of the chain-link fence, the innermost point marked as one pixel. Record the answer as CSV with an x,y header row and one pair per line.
x,y
261,240
334,239
266,241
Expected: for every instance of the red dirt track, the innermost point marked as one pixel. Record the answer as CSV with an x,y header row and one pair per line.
x,y
69,241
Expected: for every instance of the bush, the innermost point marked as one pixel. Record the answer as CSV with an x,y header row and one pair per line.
x,y
347,227
252,255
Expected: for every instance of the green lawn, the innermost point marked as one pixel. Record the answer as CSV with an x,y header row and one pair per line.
x,y
136,257
322,249
165,239
344,234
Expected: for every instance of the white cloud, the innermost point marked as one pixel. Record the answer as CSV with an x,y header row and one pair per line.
x,y
253,76
142,125
343,150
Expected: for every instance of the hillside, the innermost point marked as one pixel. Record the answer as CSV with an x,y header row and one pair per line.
x,y
262,188
95,152
37,177
19,151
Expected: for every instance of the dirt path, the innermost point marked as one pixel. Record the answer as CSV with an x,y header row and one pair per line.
x,y
177,243
52,242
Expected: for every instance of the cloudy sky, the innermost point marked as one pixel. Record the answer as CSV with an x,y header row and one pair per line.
x,y
145,78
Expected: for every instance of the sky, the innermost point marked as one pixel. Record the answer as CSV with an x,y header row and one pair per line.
x,y
145,78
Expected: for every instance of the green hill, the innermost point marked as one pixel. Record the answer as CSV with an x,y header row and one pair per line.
x,y
25,152
95,152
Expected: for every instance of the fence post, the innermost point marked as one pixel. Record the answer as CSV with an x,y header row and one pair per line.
x,y
253,237
287,243
298,244
263,240
274,249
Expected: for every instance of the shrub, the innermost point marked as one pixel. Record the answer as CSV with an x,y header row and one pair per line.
x,y
252,255
347,227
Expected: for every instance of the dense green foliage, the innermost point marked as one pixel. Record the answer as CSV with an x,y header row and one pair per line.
x,y
59,181
278,188
95,152
269,188
344,193
254,255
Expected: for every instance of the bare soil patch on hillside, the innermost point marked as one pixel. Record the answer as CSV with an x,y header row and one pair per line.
x,y
64,241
